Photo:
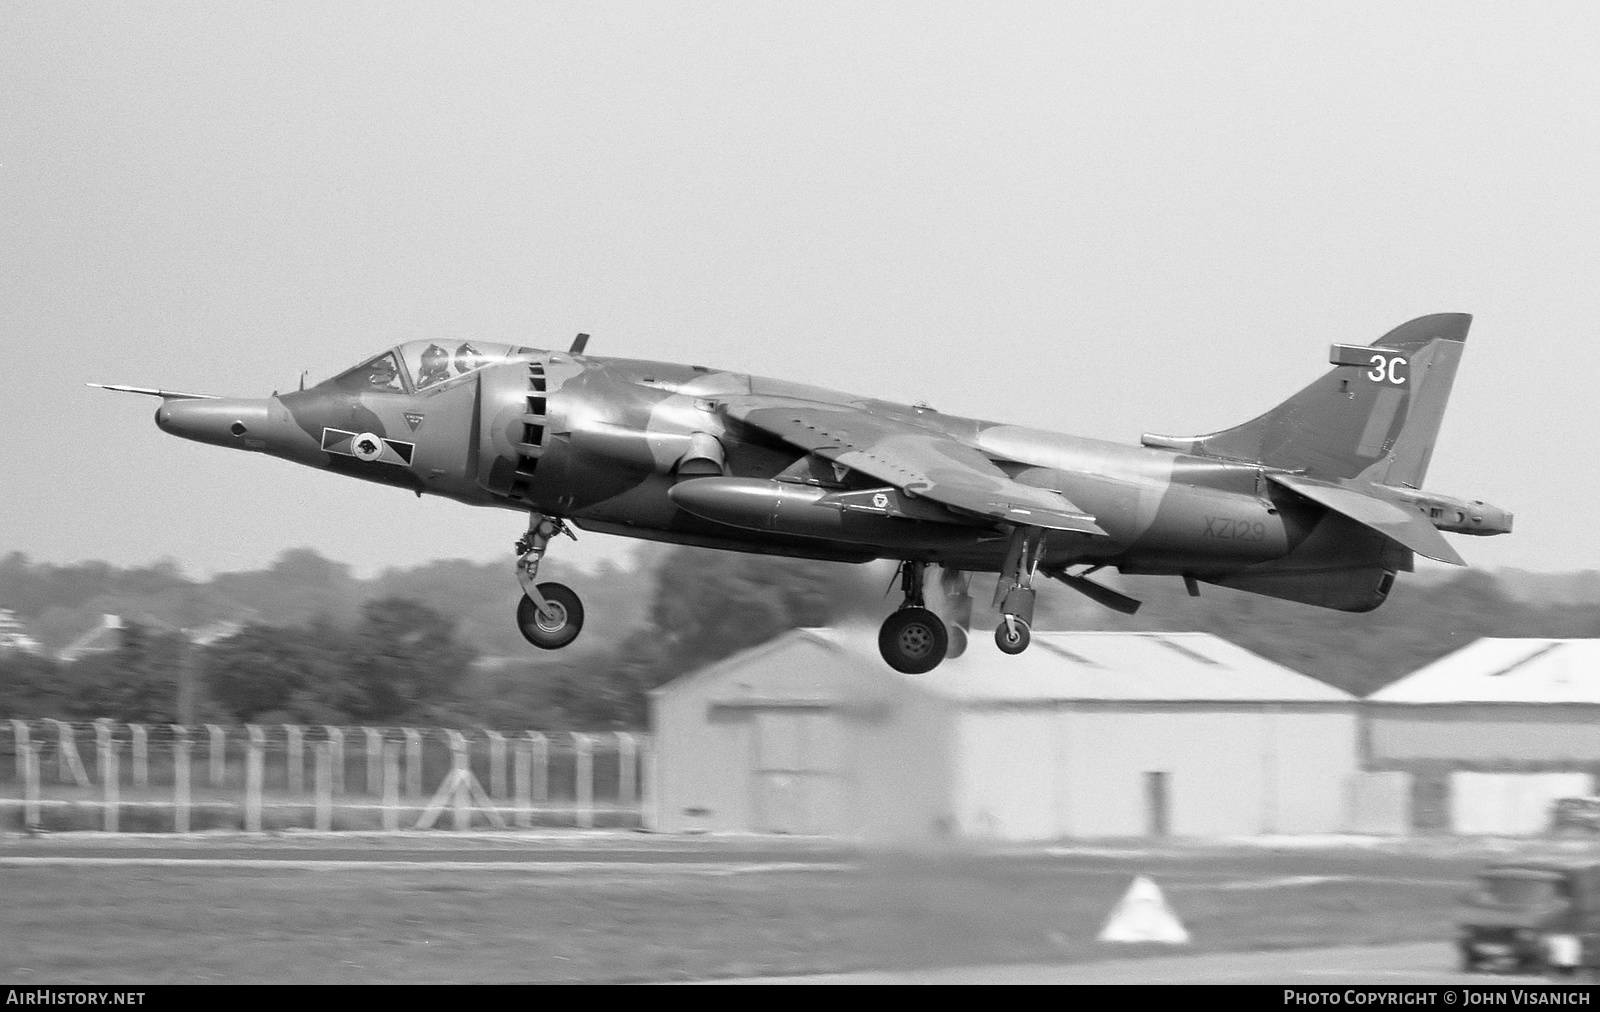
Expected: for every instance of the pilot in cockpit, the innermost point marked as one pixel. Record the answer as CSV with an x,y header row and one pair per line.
x,y
435,366
382,374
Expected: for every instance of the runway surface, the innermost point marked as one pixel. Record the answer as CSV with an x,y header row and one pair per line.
x,y
1421,963
657,862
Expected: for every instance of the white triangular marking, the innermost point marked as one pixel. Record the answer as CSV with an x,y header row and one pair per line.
x,y
1143,916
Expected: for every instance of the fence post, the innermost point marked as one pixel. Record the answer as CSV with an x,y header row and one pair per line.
x,y
336,741
219,755
324,786
30,785
109,778
64,738
391,786
294,734
141,756
374,759
102,745
522,763
583,774
627,768
252,779
647,784
541,767
497,764
413,762
71,765
459,761
19,729
180,778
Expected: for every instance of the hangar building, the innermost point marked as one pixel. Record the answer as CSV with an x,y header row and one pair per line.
x,y
1492,734
1087,734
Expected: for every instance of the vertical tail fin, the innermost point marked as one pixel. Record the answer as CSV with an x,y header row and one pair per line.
x,y
1374,416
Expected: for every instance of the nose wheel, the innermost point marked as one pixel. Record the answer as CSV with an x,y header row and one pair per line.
x,y
554,625
549,615
913,640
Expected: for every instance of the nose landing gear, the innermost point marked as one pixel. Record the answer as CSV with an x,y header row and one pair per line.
x,y
549,615
913,640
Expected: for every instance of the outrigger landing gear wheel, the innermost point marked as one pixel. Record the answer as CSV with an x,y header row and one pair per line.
x,y
1012,636
556,626
913,640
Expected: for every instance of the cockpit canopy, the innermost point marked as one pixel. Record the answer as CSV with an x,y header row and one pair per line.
x,y
418,365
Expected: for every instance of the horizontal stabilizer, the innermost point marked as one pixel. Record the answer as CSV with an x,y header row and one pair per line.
x,y
166,395
1387,518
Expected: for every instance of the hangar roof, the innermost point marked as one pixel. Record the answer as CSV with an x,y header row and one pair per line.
x,y
1121,666
1057,667
1505,671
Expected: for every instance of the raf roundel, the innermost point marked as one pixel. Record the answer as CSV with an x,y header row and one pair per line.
x,y
366,446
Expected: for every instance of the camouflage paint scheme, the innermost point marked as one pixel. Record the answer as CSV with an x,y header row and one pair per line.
x,y
1315,501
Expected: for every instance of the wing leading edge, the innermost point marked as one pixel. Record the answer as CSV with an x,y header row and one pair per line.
x,y
921,461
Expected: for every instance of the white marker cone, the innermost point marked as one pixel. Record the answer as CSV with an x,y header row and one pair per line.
x,y
1143,916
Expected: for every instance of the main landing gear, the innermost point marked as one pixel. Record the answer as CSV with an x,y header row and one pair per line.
x,y
913,640
549,614
1013,592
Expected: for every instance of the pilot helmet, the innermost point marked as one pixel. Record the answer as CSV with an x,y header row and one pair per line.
x,y
435,358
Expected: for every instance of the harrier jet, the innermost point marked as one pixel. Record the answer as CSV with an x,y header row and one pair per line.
x,y
1318,500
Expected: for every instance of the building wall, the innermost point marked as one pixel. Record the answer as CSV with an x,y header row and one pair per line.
x,y
805,739
702,765
1316,761
1483,736
1380,803
756,746
901,749
1130,770
1009,774
1510,804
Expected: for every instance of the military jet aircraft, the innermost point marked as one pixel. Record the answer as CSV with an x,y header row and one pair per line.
x,y
1318,500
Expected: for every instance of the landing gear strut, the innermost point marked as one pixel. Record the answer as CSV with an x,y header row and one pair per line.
x,y
549,614
1014,593
913,639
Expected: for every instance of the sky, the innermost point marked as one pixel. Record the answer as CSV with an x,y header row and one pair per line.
x,y
1098,218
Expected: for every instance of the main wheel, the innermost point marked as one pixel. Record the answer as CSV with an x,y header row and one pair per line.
x,y
556,630
1012,643
913,640
958,643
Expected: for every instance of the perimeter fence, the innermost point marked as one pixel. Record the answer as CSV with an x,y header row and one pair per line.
x,y
57,775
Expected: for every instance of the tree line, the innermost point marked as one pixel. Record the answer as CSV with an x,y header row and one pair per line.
x,y
398,660
419,659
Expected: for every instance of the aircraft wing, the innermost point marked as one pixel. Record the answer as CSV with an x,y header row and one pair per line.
x,y
1387,518
921,461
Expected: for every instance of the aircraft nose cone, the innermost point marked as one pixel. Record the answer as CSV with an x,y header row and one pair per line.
x,y
222,421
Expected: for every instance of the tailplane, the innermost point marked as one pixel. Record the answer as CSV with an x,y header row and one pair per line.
x,y
1375,416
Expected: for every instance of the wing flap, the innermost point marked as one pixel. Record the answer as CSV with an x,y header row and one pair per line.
x,y
1387,518
922,461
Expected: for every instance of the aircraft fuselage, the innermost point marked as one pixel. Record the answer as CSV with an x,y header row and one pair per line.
x,y
604,443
